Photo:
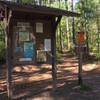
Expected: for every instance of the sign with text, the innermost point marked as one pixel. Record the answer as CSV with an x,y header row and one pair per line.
x,y
39,27
80,37
47,44
28,50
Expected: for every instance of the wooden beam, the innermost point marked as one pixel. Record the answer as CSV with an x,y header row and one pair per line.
x,y
9,16
56,23
53,50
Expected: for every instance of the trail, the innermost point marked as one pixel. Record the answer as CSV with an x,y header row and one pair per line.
x,y
35,82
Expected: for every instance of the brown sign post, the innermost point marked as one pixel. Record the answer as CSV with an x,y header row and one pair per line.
x,y
80,42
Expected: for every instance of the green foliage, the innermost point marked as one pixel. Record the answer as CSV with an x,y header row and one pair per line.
x,y
2,44
27,1
85,88
41,57
89,14
2,52
58,58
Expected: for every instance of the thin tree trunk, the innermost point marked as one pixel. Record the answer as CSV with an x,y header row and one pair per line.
x,y
98,47
73,22
67,29
60,37
68,37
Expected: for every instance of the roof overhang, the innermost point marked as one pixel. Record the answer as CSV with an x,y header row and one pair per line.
x,y
38,9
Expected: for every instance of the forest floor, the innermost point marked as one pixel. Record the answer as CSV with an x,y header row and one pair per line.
x,y
35,82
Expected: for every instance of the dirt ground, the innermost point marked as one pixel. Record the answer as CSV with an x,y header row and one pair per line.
x,y
35,82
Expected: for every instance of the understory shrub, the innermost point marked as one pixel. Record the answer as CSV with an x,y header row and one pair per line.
x,y
2,52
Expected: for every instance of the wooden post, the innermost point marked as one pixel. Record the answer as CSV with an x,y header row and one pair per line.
x,y
80,65
80,42
8,41
53,50
9,68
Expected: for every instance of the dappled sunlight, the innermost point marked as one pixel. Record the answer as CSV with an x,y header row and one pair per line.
x,y
2,88
22,94
67,77
59,84
40,77
25,68
30,73
70,68
32,80
30,68
67,65
70,59
89,67
48,87
3,82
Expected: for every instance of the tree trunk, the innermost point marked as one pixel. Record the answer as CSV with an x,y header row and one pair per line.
x,y
67,29
98,47
67,32
73,22
60,38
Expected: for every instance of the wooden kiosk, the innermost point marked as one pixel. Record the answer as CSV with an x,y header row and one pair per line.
x,y
30,34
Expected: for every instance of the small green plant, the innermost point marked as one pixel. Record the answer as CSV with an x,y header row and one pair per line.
x,y
58,58
2,52
41,56
85,88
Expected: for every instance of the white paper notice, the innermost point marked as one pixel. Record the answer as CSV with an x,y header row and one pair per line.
x,y
39,27
47,44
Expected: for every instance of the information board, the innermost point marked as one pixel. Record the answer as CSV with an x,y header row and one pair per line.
x,y
28,50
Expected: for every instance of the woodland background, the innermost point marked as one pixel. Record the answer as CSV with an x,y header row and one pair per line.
x,y
66,34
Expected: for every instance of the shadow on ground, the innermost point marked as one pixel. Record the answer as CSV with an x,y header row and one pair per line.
x,y
35,83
